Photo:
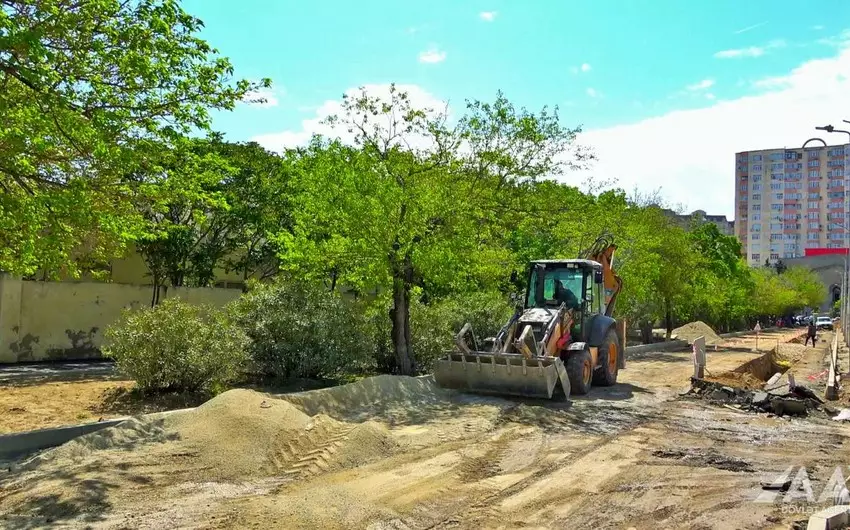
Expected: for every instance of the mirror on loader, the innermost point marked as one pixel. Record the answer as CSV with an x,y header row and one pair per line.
x,y
597,277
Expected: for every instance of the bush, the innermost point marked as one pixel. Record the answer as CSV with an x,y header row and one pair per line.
x,y
177,346
303,330
433,326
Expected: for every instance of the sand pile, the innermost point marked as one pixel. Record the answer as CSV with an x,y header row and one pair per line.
x,y
239,434
125,436
693,330
403,391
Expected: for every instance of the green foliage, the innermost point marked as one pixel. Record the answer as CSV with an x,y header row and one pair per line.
x,y
434,325
177,346
406,206
93,93
213,209
300,329
781,294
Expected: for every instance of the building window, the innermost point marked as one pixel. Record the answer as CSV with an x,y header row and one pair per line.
x,y
756,257
756,206
756,216
755,178
743,187
814,163
755,236
756,196
814,173
756,167
814,184
776,186
756,187
756,158
812,237
814,226
812,215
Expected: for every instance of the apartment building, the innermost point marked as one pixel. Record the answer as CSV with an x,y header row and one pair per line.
x,y
699,217
790,203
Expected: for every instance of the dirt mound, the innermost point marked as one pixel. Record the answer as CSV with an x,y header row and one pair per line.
x,y
379,390
238,435
126,436
693,330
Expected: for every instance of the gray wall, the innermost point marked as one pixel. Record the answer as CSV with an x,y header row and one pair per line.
x,y
829,267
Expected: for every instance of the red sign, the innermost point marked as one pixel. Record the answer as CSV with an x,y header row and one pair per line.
x,y
824,251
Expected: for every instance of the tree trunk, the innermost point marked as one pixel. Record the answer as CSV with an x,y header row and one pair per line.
x,y
668,319
646,331
400,316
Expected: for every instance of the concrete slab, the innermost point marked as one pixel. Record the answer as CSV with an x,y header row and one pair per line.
x,y
830,518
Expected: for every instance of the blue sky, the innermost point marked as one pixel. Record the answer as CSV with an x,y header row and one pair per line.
x,y
605,63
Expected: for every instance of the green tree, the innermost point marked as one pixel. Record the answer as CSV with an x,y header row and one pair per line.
x,y
89,90
410,202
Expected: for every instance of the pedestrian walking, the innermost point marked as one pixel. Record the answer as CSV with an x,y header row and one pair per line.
x,y
812,334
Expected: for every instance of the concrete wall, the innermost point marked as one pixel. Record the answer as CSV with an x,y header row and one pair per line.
x,y
132,269
65,320
829,267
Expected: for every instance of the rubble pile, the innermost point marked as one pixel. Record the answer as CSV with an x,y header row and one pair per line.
x,y
782,401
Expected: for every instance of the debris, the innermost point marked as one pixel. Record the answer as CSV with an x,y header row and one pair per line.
x,y
805,392
844,415
760,398
777,485
773,379
789,406
709,458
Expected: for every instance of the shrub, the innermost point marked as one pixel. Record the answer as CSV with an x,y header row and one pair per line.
x,y
433,326
177,346
303,330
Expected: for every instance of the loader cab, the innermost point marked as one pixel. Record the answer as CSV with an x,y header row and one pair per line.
x,y
576,283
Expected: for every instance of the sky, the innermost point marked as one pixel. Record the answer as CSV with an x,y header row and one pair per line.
x,y
665,91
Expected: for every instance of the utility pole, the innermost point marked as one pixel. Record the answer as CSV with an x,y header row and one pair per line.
x,y
845,304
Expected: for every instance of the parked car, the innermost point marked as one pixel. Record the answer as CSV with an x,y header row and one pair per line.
x,y
824,323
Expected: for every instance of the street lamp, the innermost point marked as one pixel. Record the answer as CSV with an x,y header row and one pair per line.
x,y
845,304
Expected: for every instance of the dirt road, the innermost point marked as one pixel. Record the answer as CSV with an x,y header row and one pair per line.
x,y
395,453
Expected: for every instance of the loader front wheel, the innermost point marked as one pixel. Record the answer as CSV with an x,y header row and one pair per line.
x,y
609,352
580,372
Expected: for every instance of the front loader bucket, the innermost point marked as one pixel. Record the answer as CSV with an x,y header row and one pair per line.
x,y
502,373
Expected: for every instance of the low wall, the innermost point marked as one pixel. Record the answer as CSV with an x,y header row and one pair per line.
x,y
65,320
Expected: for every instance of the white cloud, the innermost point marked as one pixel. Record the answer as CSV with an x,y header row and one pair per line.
x,y
689,153
749,28
585,67
432,56
264,97
702,85
817,28
488,16
419,98
751,51
710,96
592,92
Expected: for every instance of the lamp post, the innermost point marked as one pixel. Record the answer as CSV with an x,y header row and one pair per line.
x,y
845,304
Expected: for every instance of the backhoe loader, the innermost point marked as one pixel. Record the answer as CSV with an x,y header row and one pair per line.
x,y
562,333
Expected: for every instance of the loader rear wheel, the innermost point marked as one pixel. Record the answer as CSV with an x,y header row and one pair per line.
x,y
609,352
580,372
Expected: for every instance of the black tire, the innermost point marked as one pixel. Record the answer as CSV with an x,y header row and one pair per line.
x,y
609,352
580,372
